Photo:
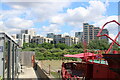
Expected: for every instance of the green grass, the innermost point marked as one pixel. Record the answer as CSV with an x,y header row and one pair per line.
x,y
55,74
1,78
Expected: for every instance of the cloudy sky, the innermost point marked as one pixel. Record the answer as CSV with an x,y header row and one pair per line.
x,y
60,17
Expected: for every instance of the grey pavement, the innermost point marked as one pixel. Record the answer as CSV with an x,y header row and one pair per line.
x,y
28,73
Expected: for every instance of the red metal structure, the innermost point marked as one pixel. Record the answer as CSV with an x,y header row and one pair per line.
x,y
114,40
90,70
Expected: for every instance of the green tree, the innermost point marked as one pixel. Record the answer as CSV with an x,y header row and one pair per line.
x,y
42,50
115,47
25,45
47,45
79,45
32,45
98,44
61,46
39,45
54,50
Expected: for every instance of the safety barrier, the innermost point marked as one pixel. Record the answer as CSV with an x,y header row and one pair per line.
x,y
40,73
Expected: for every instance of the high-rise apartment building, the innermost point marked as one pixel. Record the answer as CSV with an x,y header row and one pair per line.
x,y
90,32
95,32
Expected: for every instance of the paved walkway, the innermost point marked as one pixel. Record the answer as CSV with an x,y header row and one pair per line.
x,y
28,73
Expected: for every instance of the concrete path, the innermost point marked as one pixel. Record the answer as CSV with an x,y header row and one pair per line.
x,y
28,73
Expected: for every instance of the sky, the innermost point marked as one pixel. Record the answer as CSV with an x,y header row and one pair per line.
x,y
57,17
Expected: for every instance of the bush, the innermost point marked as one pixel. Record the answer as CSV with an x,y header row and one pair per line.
x,y
47,45
55,50
61,46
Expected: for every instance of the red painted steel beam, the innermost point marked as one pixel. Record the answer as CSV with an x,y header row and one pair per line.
x,y
99,34
111,45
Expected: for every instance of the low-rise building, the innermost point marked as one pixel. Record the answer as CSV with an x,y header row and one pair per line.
x,y
40,40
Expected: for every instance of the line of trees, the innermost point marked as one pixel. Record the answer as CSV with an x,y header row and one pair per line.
x,y
56,51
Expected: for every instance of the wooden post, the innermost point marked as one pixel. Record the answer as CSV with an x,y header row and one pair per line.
x,y
41,64
49,69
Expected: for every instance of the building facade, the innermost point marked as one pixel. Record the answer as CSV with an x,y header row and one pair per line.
x,y
104,31
50,35
30,32
75,40
95,32
69,40
24,37
79,35
87,32
41,40
57,38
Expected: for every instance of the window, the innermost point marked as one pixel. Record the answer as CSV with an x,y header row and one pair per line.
x,y
85,28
